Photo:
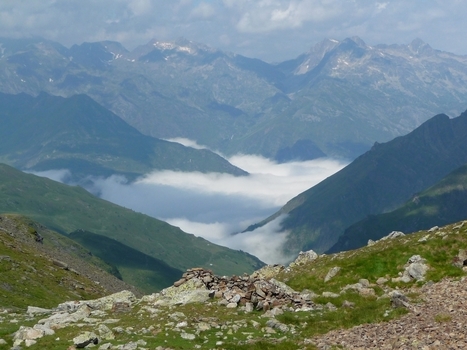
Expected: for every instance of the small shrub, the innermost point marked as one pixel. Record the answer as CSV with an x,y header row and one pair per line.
x,y
442,317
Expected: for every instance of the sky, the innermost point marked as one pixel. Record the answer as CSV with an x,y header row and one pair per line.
x,y
215,206
272,30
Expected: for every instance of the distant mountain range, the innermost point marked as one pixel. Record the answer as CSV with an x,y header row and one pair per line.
x,y
76,133
379,181
337,99
148,253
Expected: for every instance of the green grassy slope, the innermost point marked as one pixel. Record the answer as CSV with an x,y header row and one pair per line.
x,y
50,132
134,267
378,181
67,209
441,204
386,259
28,275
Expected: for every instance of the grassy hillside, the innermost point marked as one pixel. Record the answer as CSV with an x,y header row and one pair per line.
x,y
441,204
133,266
67,209
76,133
338,304
378,181
29,276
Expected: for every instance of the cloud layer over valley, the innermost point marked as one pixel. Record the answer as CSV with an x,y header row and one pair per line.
x,y
216,205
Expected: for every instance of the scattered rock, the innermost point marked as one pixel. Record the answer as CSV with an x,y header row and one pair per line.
x,y
332,272
398,299
24,334
380,281
348,304
304,258
461,259
85,339
34,311
330,295
60,264
268,271
414,269
392,235
188,336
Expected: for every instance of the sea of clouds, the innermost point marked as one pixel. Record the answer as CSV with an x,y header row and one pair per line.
x,y
218,206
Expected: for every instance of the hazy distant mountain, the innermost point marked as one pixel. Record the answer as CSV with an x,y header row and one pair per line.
x,y
439,205
340,97
76,133
379,181
148,253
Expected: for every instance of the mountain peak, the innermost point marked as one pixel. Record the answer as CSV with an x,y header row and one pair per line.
x,y
358,41
324,46
181,45
418,46
354,41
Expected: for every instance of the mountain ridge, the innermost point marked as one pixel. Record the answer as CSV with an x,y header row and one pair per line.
x,y
441,204
372,93
376,182
48,132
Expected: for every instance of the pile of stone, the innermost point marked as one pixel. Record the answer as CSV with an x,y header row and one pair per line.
x,y
249,291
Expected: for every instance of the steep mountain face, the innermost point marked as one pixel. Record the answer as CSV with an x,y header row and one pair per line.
x,y
76,133
340,97
158,250
441,204
378,181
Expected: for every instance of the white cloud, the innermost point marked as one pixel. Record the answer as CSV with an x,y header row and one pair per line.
x,y
140,7
216,205
265,242
213,205
269,183
203,11
266,16
60,175
187,142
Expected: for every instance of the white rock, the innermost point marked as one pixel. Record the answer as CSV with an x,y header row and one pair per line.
x,y
392,235
33,311
417,271
188,336
249,307
29,342
332,272
303,258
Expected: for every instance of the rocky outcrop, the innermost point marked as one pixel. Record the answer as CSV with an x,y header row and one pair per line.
x,y
415,269
253,291
304,258
392,235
